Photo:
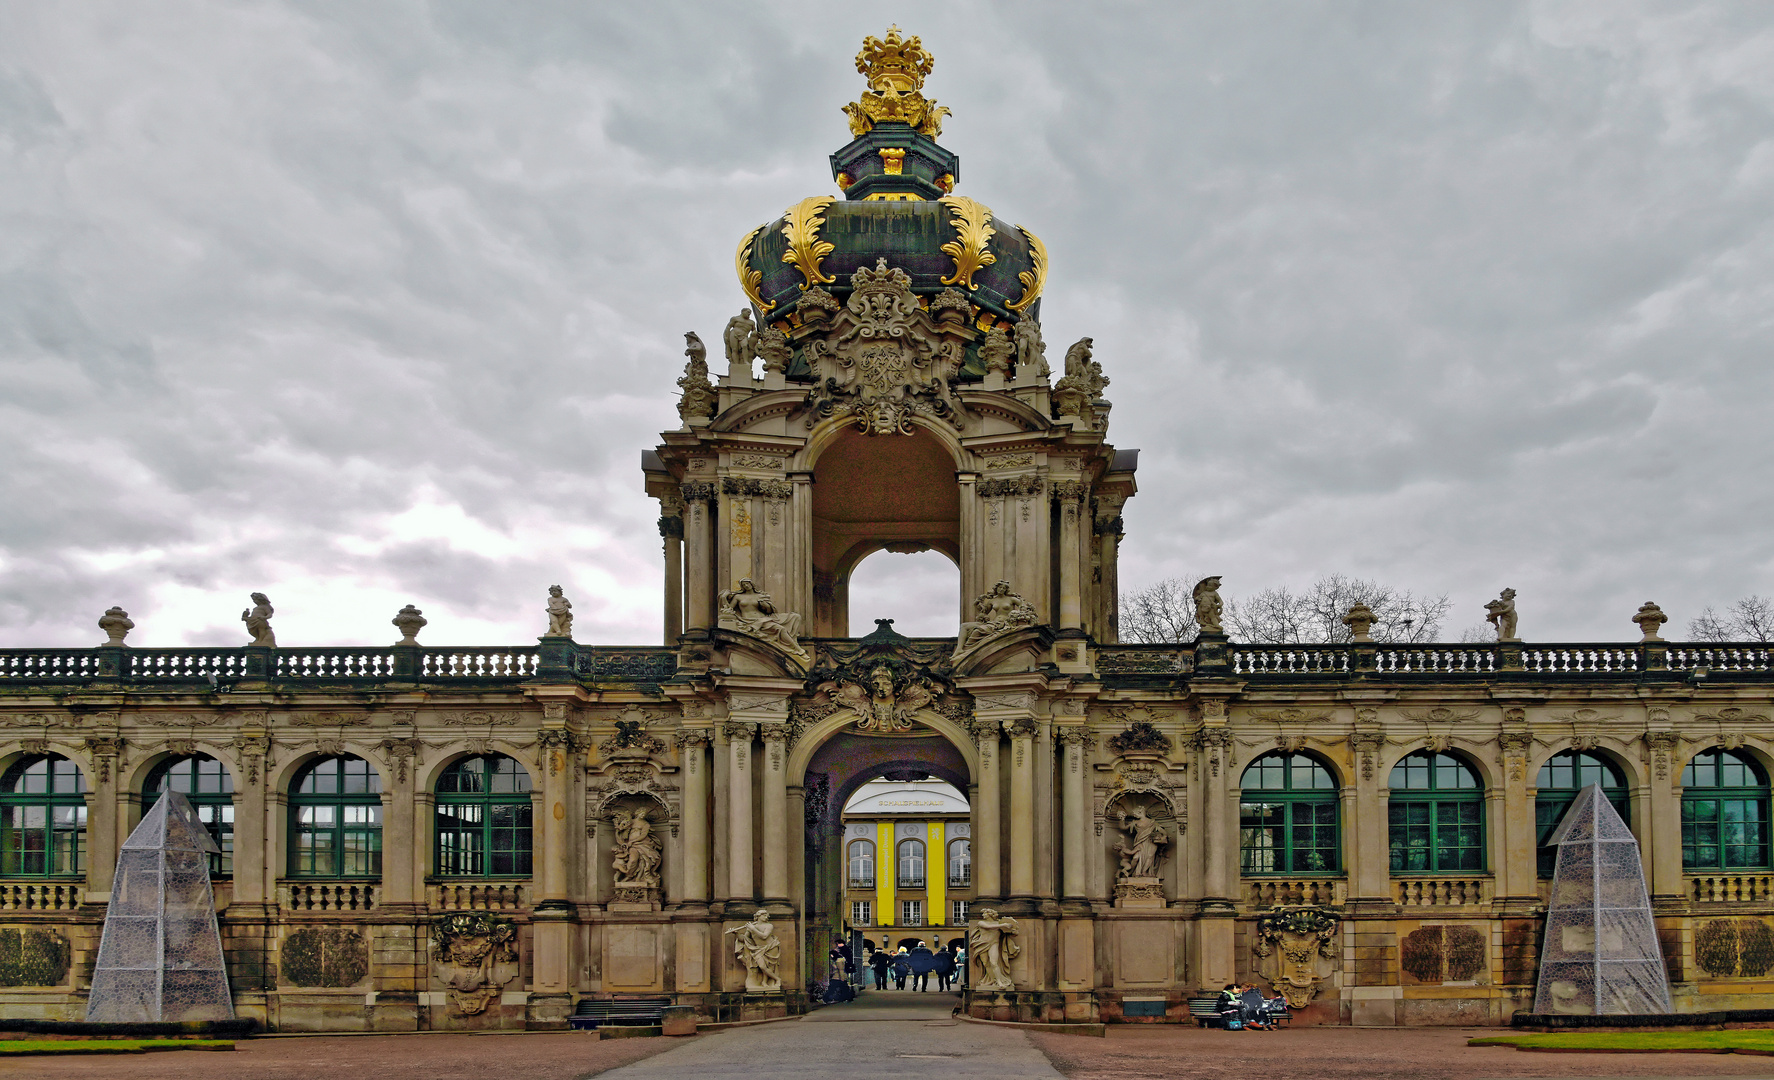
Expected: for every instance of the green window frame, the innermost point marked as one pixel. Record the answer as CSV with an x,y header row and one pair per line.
x,y
484,818
336,820
1724,812
207,784
1561,779
43,818
1289,817
1436,818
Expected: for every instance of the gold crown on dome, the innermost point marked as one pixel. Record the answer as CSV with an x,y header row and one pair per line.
x,y
894,65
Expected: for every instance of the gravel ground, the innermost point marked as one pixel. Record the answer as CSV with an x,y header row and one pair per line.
x,y
1167,1053
539,1056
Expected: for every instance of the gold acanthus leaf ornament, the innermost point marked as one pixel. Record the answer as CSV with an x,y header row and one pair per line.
x,y
973,231
1035,279
749,279
805,248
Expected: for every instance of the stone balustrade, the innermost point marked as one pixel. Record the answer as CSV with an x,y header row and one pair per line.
x,y
1730,888
479,896
1279,892
327,896
40,896
1441,891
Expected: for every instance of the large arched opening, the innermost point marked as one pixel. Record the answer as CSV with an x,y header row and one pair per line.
x,y
916,590
895,493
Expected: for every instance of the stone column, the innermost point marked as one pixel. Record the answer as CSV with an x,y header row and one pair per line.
x,y
671,531
774,766
105,809
1662,826
1069,494
557,770
988,880
1022,806
1517,875
399,882
1075,812
699,554
693,756
739,785
1214,744
1369,871
1108,528
252,878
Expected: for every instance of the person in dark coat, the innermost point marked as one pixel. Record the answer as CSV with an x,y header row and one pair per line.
x,y
945,968
1252,1011
880,962
922,962
901,968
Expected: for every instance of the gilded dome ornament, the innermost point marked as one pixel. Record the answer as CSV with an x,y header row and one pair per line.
x,y
749,278
895,67
1033,279
805,248
973,231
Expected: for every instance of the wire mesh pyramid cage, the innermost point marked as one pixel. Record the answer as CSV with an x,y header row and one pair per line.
x,y
161,954
1600,955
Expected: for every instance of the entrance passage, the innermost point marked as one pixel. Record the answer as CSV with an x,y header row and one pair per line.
x,y
917,591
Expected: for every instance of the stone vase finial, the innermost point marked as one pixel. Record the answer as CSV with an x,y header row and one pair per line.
x,y
408,621
258,621
1649,618
115,623
1359,621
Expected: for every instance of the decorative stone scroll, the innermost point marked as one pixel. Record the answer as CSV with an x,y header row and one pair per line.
x,y
1296,950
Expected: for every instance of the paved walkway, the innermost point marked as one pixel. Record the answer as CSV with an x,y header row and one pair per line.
x,y
903,1034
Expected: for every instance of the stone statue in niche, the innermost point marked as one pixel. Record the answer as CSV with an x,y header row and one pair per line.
x,y
996,612
1031,352
115,622
741,339
1296,951
753,612
699,394
992,941
258,621
1208,608
760,950
637,856
1500,613
409,621
560,613
1139,852
477,958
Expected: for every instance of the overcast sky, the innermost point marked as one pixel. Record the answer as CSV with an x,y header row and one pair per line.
x,y
370,304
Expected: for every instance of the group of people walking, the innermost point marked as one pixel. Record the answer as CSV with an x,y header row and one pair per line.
x,y
918,964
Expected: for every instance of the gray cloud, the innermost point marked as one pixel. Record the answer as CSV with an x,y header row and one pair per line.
x,y
363,305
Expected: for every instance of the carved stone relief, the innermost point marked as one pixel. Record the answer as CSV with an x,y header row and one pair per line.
x,y
476,958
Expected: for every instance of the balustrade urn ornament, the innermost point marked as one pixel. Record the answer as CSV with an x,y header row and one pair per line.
x,y
409,621
560,614
1650,617
258,622
115,622
1501,614
1359,620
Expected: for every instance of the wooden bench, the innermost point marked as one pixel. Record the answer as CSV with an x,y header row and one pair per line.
x,y
589,1014
1205,1011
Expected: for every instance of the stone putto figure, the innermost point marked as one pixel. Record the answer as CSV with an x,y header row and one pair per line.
x,y
115,623
1139,852
1500,613
1208,608
699,393
408,621
996,612
560,613
258,621
992,941
741,339
1650,618
753,612
638,854
1031,351
760,950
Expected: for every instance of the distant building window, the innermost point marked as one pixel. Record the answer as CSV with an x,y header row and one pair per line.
x,y
911,912
1435,816
862,864
1724,812
1560,779
43,818
957,913
203,780
862,913
961,862
911,864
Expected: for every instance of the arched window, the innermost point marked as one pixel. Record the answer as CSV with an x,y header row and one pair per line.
x,y
911,864
1561,778
1724,812
43,818
1287,817
205,781
483,818
960,863
862,864
336,820
1436,816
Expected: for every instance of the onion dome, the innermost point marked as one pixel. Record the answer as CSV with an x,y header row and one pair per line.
x,y
898,204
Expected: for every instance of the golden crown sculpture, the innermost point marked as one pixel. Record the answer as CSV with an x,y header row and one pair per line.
x,y
895,67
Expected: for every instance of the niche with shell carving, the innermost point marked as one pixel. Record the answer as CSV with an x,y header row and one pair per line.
x,y
1139,833
633,835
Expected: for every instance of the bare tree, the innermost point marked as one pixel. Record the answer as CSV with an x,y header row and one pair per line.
x,y
1748,619
1165,612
